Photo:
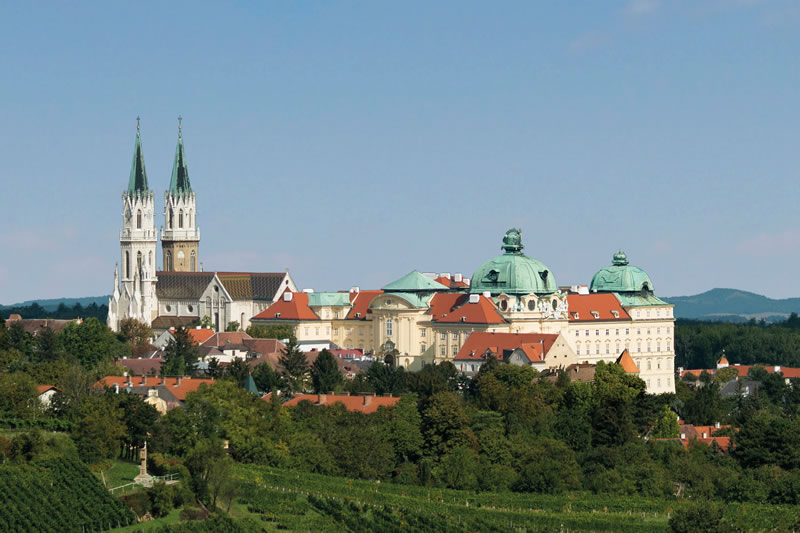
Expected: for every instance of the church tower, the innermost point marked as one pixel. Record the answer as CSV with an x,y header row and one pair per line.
x,y
180,238
134,292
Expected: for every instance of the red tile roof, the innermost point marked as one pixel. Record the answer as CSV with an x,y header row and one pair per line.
x,y
220,340
452,308
582,305
295,309
626,362
788,372
199,336
361,404
141,365
360,302
44,388
451,282
535,345
178,386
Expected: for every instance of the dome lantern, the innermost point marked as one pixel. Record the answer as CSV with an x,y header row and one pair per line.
x,y
513,272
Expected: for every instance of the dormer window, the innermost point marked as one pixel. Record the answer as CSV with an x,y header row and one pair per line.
x,y
595,314
615,313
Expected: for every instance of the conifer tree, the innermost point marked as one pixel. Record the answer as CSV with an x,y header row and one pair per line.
x,y
295,366
325,375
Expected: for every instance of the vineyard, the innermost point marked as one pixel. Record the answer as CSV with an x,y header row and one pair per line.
x,y
57,495
298,501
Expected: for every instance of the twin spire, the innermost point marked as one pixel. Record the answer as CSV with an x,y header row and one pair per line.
x,y
179,183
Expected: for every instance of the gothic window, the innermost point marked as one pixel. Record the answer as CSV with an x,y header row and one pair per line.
x,y
188,219
180,219
127,264
150,259
169,262
139,262
171,217
194,262
139,219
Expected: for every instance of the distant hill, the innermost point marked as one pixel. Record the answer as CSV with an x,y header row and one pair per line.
x,y
732,305
52,304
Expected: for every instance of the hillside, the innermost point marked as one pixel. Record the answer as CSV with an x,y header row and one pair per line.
x,y
733,305
53,303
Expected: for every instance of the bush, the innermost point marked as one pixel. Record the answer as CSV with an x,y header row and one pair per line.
x,y
706,518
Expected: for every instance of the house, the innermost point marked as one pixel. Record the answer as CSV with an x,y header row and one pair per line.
x,y
198,335
706,434
46,393
164,393
540,351
142,366
361,404
35,325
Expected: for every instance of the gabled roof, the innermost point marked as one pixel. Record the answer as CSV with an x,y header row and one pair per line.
x,y
294,309
360,303
626,362
137,183
414,281
501,344
178,386
172,322
582,306
182,285
179,182
200,335
362,404
222,339
450,308
264,346
141,366
44,388
252,285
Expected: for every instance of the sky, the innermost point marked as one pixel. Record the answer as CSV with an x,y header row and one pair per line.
x,y
352,142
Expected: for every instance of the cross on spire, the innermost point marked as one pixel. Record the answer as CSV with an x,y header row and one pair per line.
x,y
180,118
137,121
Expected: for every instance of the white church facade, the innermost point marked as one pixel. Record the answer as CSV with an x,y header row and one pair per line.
x,y
181,293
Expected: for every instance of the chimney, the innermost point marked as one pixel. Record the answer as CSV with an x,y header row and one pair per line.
x,y
474,298
116,388
683,436
487,294
130,381
716,425
458,278
163,380
144,380
367,399
178,380
198,327
287,296
355,289
777,369
322,399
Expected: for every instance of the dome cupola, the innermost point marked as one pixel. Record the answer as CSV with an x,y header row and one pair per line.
x,y
513,272
621,277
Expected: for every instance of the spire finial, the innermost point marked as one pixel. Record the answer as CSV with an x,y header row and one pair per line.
x,y
180,118
137,122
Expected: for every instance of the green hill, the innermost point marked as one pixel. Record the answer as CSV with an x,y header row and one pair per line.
x,y
734,306
53,303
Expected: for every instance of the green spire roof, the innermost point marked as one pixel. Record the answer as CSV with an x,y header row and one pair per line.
x,y
179,183
138,180
414,281
250,385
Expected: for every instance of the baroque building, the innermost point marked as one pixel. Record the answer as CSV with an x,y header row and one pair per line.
x,y
419,320
181,293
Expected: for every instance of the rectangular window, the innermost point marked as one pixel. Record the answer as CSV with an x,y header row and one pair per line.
x,y
627,331
335,331
316,331
422,348
389,328
577,333
608,348
617,332
443,350
308,331
360,331
455,350
639,347
327,331
648,347
455,335
347,331
587,332
606,333
422,331
597,349
443,336
658,364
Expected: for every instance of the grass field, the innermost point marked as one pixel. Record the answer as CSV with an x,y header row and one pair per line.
x,y
120,473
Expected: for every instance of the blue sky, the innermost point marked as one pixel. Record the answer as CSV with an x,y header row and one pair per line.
x,y
352,142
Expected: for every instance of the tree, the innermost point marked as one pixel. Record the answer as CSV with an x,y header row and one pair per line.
x,y
139,418
238,370
99,429
402,429
666,426
92,342
279,332
552,468
458,468
181,355
232,326
134,332
325,375
18,395
446,424
266,378
214,370
295,366
386,379
49,346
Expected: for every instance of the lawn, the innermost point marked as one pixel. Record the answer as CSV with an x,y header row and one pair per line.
x,y
121,473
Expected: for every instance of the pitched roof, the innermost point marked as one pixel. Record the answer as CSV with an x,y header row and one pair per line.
x,y
451,282
44,388
449,308
224,338
182,285
723,361
178,386
318,299
744,370
142,365
200,335
35,325
362,404
414,281
360,304
252,285
295,308
172,322
626,362
592,307
264,346
501,344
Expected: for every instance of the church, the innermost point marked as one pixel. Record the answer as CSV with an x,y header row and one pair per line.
x,y
181,293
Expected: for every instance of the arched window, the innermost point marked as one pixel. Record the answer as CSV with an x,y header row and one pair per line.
x,y
180,219
139,219
194,263
171,217
150,259
139,263
189,219
127,264
169,261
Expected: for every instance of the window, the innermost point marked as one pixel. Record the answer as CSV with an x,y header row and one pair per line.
x,y
127,264
194,262
327,313
455,335
668,345
606,333
171,217
648,347
328,331
443,351
577,333
335,331
347,331
188,219
597,332
169,261
658,348
597,349
388,327
455,350
616,332
649,364
627,331
658,382
336,314
639,347
422,348
648,331
617,351
139,219
422,331
443,336
648,383
587,332
360,331
503,305
180,218
139,262
316,331
638,331
658,331
608,348
307,331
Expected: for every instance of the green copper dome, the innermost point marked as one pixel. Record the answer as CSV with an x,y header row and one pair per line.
x,y
621,277
513,272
